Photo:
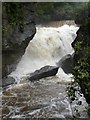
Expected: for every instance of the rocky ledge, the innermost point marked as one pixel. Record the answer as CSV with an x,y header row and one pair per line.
x,y
45,71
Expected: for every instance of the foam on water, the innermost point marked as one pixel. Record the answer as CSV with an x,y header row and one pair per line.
x,y
46,98
47,47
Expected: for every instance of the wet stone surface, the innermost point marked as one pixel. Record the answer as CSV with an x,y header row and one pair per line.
x,y
46,98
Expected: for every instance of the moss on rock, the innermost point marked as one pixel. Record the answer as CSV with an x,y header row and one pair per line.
x,y
82,56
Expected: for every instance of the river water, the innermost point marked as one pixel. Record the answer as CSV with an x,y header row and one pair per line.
x,y
46,98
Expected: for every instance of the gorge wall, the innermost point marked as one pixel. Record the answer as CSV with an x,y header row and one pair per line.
x,y
18,28
82,54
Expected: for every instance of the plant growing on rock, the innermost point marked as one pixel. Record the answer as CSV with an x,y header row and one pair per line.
x,y
81,45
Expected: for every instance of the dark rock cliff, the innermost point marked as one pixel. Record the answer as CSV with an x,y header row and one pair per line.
x,y
82,55
17,33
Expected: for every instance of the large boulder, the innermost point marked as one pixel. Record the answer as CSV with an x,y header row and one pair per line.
x,y
16,37
66,63
43,72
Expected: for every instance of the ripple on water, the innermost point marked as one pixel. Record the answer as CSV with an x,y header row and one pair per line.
x,y
44,99
40,99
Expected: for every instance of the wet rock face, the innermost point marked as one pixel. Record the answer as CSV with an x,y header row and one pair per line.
x,y
15,41
82,56
66,63
43,72
7,81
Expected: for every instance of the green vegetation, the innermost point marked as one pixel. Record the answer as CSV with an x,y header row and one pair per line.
x,y
61,11
14,13
82,56
58,10
82,70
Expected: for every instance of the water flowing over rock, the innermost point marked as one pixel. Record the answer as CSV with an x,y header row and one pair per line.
x,y
48,46
46,98
15,41
43,72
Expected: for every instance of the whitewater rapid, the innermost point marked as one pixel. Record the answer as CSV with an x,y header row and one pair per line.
x,y
47,47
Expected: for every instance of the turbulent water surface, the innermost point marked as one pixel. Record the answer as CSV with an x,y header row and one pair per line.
x,y
46,98
48,46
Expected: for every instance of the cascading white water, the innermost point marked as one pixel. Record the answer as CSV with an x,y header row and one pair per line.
x,y
46,98
47,47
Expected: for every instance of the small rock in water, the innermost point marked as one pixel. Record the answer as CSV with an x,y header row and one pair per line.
x,y
43,72
7,81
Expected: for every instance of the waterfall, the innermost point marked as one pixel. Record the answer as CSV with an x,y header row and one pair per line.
x,y
47,47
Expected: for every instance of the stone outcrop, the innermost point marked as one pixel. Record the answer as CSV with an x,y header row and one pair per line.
x,y
7,81
66,63
45,71
15,40
82,56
